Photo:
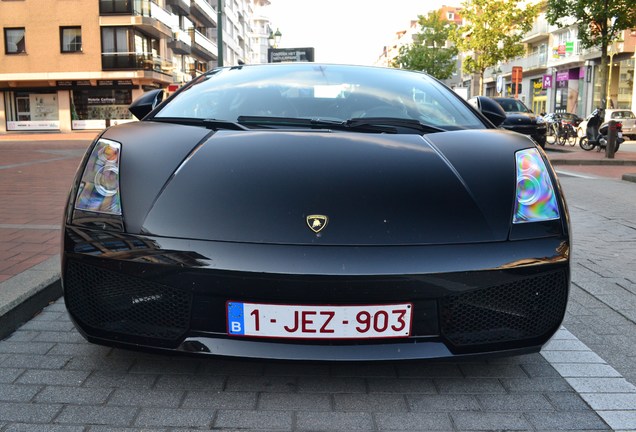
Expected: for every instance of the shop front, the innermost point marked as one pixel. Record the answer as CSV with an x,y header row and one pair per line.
x,y
569,91
30,110
100,106
539,99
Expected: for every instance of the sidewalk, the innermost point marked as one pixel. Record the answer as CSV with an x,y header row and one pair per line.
x,y
36,170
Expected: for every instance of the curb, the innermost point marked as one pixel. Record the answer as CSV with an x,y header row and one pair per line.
x,y
27,293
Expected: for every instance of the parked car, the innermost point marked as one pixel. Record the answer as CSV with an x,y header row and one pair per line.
x,y
311,211
625,116
519,118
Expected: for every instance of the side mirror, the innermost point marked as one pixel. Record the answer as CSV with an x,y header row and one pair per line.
x,y
146,103
489,108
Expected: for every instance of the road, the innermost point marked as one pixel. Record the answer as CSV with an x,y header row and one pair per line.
x,y
51,379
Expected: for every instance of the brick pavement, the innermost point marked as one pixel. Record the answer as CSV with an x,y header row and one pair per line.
x,y
51,379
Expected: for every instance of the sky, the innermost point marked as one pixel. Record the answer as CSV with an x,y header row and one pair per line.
x,y
345,31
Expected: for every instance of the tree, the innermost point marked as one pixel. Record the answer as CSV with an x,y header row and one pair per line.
x,y
599,23
429,52
492,33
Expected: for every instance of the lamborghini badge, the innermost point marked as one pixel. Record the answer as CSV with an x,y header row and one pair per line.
x,y
317,222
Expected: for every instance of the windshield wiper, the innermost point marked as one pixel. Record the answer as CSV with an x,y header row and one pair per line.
x,y
392,121
213,124
313,123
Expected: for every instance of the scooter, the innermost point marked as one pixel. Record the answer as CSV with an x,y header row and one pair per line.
x,y
596,136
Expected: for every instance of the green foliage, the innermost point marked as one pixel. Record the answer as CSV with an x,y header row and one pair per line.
x,y
599,23
428,52
493,32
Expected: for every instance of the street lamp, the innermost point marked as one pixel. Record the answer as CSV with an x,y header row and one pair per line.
x,y
274,38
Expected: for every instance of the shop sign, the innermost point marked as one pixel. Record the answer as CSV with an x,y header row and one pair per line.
x,y
547,81
537,88
83,83
103,83
101,100
124,83
561,50
517,74
569,47
563,76
33,125
64,84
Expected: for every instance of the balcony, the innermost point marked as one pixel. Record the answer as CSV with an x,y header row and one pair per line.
x,y
150,17
204,12
135,61
202,46
538,32
182,6
181,43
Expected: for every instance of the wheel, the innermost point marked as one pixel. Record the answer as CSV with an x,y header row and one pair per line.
x,y
580,133
562,137
585,144
550,135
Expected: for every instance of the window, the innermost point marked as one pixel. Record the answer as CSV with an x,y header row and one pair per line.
x,y
70,39
14,40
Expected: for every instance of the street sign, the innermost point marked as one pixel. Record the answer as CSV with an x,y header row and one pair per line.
x,y
517,74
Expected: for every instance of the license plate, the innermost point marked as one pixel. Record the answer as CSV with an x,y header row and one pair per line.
x,y
319,321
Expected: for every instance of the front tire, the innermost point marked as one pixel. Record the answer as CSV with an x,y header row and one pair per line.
x,y
585,144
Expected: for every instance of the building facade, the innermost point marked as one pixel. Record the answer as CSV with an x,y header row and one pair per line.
x,y
78,64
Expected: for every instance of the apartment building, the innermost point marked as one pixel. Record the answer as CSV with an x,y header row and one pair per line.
x,y
77,64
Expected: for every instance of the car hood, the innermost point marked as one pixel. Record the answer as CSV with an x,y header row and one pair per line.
x,y
375,189
519,118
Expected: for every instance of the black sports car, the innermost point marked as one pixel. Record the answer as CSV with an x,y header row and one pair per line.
x,y
520,118
308,211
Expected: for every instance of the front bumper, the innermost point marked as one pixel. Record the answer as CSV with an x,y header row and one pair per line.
x,y
150,292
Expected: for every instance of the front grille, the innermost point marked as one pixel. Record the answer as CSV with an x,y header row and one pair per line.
x,y
522,310
120,305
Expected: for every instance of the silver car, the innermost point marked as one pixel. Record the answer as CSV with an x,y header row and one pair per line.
x,y
625,116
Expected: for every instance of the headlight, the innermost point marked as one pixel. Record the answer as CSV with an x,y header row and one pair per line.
x,y
99,187
535,200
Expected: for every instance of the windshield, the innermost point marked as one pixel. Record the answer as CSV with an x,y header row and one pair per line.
x,y
326,92
512,105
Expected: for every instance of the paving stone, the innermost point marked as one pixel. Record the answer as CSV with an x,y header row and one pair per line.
x,y
53,377
586,370
262,384
515,402
296,369
130,429
414,421
146,398
119,380
73,395
441,403
469,385
322,384
294,402
175,417
567,421
97,415
333,421
233,367
173,366
190,382
370,402
620,420
17,393
23,427
364,370
8,375
258,420
572,357
567,401
27,412
484,370
392,385
62,337
489,421
601,385
220,400
80,349
429,370
610,401
22,336
536,385
25,347
36,361
90,363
